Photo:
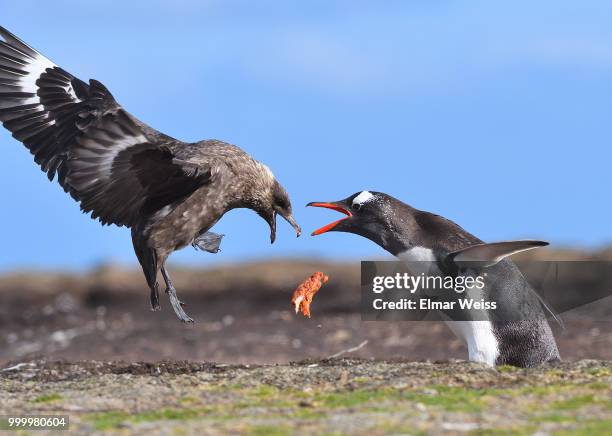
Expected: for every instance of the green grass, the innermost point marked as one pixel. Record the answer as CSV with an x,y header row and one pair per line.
x,y
558,418
264,391
265,396
47,398
507,369
395,428
455,399
304,413
512,431
574,403
189,400
448,398
268,430
599,386
286,406
599,372
589,428
360,379
335,400
108,420
567,411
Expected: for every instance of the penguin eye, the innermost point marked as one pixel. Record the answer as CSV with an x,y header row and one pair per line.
x,y
356,206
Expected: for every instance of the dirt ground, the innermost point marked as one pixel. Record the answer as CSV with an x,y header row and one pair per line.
x,y
242,315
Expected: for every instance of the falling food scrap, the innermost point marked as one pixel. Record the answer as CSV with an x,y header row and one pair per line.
x,y
303,295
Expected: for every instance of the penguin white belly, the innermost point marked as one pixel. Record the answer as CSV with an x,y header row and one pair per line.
x,y
480,339
477,335
422,260
417,254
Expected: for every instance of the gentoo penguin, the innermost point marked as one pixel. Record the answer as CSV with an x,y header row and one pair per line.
x,y
123,172
416,235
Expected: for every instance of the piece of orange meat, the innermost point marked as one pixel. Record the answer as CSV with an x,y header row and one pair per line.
x,y
303,295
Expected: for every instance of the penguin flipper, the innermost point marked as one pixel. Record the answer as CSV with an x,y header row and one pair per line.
x,y
547,308
485,255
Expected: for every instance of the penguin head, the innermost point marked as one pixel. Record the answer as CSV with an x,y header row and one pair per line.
x,y
368,214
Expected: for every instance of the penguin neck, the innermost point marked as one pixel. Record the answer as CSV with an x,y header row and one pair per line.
x,y
397,231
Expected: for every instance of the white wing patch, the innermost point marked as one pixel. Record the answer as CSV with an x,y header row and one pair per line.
x,y
363,197
27,82
94,156
35,69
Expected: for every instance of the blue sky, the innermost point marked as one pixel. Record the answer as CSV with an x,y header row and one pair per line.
x,y
494,114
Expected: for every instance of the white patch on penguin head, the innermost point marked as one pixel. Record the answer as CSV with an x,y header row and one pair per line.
x,y
363,197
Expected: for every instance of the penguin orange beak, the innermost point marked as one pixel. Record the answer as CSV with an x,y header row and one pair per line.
x,y
338,207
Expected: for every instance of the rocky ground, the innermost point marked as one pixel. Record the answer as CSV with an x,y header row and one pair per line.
x,y
338,396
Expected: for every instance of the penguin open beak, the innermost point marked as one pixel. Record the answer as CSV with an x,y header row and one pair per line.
x,y
338,206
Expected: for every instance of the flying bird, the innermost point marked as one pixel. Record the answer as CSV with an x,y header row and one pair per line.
x,y
522,338
123,172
